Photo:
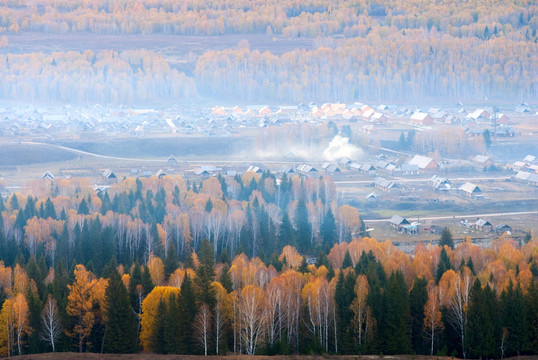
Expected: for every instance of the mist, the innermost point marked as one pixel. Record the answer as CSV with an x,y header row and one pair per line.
x,y
340,148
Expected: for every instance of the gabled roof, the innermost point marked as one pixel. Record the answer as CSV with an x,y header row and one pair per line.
x,y
304,168
482,223
470,188
421,161
47,175
398,220
383,183
419,116
529,158
172,159
254,169
160,173
108,174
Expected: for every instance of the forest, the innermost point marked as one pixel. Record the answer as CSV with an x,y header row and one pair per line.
x,y
364,50
253,265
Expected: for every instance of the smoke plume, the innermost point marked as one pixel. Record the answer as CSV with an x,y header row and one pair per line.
x,y
340,148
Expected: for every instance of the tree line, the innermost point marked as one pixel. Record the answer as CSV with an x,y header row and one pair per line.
x,y
310,18
151,257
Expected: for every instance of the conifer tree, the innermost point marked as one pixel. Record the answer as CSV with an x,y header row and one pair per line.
x,y
328,230
395,322
444,265
446,238
302,226
418,296
121,323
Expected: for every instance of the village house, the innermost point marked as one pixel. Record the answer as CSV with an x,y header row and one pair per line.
x,y
305,169
527,178
503,228
424,163
402,225
483,161
421,118
470,190
440,183
383,184
109,177
483,225
171,161
479,114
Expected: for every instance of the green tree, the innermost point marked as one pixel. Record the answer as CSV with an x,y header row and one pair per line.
x,y
418,296
395,323
83,208
512,312
188,309
483,330
121,323
328,230
444,265
302,226
446,238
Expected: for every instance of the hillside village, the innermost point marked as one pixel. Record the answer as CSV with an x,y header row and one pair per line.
x,y
385,175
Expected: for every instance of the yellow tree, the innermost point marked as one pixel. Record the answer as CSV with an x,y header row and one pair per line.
x,y
20,321
156,269
433,324
7,331
148,319
361,320
81,301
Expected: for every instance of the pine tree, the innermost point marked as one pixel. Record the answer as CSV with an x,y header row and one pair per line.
x,y
328,230
188,309
531,317
121,323
512,310
286,234
50,211
225,278
83,208
347,262
483,330
394,326
444,265
172,326
302,226
446,238
418,296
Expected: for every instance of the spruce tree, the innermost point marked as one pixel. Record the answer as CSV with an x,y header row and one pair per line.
x,y
418,296
172,326
328,230
286,234
121,323
347,262
83,208
302,226
446,238
512,311
531,317
188,309
444,265
394,326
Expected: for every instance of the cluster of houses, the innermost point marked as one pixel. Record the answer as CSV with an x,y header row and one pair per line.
x,y
221,121
527,170
403,226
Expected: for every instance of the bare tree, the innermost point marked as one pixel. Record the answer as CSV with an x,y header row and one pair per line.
x,y
202,326
52,326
